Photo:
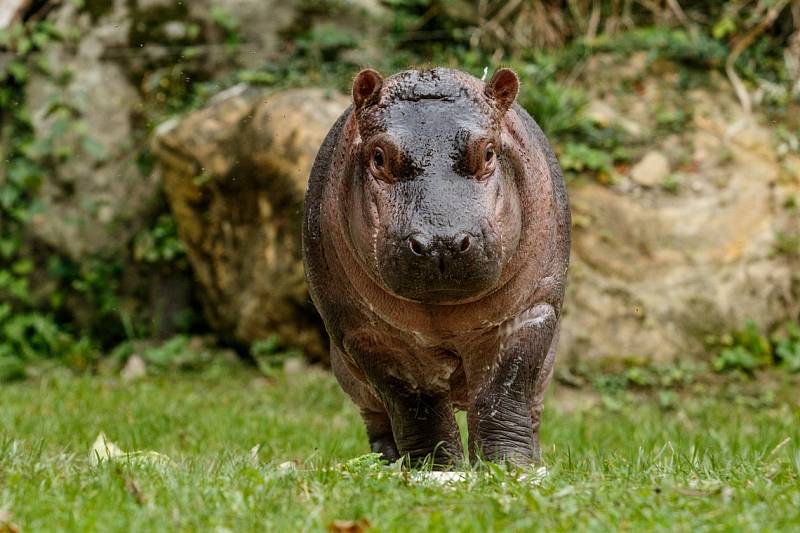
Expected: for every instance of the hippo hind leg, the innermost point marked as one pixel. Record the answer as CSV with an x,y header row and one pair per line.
x,y
379,432
376,419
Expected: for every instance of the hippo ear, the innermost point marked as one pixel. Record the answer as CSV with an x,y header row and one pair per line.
x,y
366,83
503,88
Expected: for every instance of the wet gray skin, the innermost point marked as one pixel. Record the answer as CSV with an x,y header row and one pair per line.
x,y
436,243
434,200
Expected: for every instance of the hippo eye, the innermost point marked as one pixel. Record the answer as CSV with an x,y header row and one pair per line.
x,y
377,158
488,154
378,165
489,162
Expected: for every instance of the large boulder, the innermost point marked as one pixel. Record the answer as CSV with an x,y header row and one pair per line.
x,y
123,62
83,110
701,235
235,175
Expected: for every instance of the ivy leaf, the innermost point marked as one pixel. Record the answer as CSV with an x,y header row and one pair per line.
x,y
18,71
8,196
22,267
94,148
8,247
24,46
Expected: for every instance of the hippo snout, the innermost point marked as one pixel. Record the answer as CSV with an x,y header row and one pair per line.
x,y
435,267
442,250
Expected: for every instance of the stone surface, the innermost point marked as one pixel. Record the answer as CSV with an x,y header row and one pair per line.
x,y
11,11
605,115
651,170
654,273
135,368
235,174
261,24
128,57
96,196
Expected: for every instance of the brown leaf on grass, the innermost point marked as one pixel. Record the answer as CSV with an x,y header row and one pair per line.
x,y
6,525
133,489
349,526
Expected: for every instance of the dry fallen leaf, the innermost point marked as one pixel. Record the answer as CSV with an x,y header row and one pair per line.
x,y
349,526
133,489
254,454
6,525
105,450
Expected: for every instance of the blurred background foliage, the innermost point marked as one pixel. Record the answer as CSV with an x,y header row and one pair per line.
x,y
74,305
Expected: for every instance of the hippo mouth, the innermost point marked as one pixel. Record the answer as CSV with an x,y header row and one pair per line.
x,y
464,292
443,296
433,281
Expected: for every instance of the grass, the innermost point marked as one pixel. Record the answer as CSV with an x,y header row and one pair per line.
x,y
717,458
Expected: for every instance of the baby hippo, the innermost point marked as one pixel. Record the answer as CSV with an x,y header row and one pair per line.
x,y
436,243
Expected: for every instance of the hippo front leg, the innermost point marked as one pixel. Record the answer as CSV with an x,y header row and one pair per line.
x,y
422,421
500,417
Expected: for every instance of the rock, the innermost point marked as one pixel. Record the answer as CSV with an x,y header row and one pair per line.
x,y
235,174
655,275
294,366
652,170
95,198
258,24
11,11
135,368
604,115
261,25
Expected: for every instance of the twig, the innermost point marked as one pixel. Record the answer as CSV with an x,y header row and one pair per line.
x,y
493,24
46,8
679,14
594,21
741,45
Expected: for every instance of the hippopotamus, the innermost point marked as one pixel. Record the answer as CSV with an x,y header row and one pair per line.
x,y
436,242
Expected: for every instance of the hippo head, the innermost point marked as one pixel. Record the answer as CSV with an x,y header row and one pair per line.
x,y
432,207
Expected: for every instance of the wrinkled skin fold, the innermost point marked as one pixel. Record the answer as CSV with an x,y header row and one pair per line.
x,y
436,243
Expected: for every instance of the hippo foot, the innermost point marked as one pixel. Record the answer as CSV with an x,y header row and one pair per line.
x,y
444,456
385,446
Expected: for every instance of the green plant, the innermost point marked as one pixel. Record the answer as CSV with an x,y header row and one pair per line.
x,y
737,358
179,353
270,354
787,348
27,333
159,243
745,350
26,338
580,157
671,184
229,25
672,120
630,373
787,244
582,145
325,42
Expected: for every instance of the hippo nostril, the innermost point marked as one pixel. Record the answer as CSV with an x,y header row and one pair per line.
x,y
416,246
465,243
